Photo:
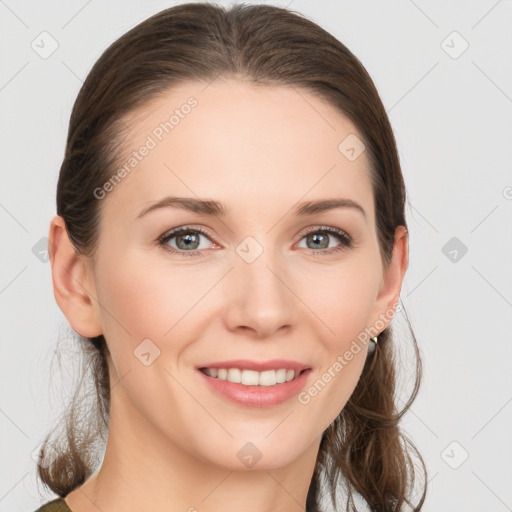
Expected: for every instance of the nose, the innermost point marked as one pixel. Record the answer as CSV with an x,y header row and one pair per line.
x,y
258,298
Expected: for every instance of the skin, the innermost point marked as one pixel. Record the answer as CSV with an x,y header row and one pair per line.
x,y
260,150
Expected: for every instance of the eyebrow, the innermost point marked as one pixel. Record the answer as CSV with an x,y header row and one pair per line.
x,y
211,207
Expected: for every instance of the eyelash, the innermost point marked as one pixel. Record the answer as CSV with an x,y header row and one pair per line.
x,y
344,238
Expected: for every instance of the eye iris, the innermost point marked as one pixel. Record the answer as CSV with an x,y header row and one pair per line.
x,y
189,242
315,237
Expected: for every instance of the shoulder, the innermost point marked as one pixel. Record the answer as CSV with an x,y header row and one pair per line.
x,y
56,505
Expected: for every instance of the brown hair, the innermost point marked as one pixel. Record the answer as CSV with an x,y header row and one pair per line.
x,y
267,45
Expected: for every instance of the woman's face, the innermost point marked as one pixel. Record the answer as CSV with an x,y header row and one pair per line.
x,y
260,282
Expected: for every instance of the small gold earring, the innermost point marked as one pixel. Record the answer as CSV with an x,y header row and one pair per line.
x,y
373,345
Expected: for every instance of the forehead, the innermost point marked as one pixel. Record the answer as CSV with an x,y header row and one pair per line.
x,y
237,141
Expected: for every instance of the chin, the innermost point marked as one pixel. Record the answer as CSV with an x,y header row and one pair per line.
x,y
246,452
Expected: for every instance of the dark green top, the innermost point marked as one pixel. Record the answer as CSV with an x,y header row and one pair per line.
x,y
56,505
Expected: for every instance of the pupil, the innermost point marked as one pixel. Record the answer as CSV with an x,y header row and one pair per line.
x,y
315,238
187,238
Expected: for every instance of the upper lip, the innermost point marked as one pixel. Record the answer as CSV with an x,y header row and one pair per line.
x,y
259,366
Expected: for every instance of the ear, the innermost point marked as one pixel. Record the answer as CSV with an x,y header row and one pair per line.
x,y
73,283
391,283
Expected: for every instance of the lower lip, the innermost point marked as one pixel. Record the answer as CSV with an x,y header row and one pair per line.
x,y
257,396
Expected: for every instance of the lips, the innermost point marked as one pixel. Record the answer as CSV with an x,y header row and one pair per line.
x,y
271,390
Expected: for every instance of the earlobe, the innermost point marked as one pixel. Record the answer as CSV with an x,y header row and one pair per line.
x,y
73,286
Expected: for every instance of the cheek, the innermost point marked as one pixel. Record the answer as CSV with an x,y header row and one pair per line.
x,y
142,297
131,304
343,306
147,299
342,299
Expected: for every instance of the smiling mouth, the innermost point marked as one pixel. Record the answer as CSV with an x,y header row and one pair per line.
x,y
252,377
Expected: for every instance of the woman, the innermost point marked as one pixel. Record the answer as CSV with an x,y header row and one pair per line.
x,y
230,244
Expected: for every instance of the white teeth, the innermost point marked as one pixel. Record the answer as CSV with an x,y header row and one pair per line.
x,y
280,376
252,377
268,378
234,375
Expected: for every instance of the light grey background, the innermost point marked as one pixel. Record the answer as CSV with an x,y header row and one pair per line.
x,y
451,116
